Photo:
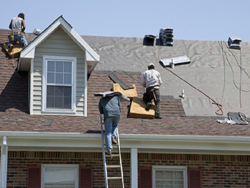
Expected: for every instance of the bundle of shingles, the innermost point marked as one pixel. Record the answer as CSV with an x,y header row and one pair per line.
x,y
234,42
166,36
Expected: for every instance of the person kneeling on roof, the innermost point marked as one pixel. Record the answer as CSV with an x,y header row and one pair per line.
x,y
17,25
151,79
111,108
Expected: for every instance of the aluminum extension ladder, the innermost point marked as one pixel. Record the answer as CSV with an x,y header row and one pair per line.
x,y
116,155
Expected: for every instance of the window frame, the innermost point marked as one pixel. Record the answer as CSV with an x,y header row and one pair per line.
x,y
58,166
44,84
171,168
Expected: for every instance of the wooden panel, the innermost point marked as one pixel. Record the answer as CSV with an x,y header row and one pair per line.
x,y
128,92
194,178
137,109
145,177
15,51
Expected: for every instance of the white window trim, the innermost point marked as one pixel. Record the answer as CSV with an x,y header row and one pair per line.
x,y
44,88
43,166
174,168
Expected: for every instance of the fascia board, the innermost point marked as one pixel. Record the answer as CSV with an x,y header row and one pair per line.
x,y
91,55
177,143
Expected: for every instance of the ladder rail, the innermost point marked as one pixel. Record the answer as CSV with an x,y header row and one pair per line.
x,y
103,155
120,158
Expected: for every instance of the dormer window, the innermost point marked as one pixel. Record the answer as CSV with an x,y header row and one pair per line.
x,y
59,84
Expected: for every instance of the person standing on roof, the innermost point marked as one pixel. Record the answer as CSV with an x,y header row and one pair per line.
x,y
17,25
151,79
111,108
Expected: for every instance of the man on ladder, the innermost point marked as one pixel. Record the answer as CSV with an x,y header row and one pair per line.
x,y
111,108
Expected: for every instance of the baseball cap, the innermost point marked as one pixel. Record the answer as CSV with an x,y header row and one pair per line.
x,y
151,64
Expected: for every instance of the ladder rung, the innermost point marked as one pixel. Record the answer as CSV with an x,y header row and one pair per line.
x,y
113,155
113,166
114,178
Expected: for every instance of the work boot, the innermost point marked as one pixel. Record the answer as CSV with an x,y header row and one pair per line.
x,y
148,106
158,117
114,141
109,153
11,48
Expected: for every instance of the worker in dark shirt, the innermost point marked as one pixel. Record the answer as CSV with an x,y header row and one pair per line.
x,y
111,108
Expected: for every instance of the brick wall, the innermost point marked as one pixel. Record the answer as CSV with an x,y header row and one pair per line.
x,y
18,162
217,170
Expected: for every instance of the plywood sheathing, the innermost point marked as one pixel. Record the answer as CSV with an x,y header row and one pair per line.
x,y
130,93
137,109
15,51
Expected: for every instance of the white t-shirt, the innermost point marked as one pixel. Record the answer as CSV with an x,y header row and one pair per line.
x,y
151,78
16,25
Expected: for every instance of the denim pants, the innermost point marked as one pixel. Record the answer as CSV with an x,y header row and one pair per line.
x,y
149,95
111,128
20,38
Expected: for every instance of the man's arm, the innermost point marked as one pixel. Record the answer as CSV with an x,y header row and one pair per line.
x,y
10,26
100,107
143,81
24,26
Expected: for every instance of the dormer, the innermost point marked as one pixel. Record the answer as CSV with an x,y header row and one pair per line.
x,y
59,62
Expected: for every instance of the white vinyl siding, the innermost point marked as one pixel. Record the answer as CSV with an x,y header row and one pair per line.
x,y
61,45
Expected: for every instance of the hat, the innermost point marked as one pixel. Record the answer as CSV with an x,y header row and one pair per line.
x,y
151,64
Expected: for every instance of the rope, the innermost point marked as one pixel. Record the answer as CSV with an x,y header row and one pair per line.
x,y
214,102
219,111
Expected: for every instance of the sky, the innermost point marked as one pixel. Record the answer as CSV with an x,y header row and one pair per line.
x,y
213,20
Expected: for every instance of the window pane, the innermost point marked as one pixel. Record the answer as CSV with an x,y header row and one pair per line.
x,y
67,102
50,102
169,175
59,78
67,92
159,174
59,66
58,91
51,66
67,79
67,67
50,90
58,102
169,184
59,178
50,78
179,184
178,175
59,97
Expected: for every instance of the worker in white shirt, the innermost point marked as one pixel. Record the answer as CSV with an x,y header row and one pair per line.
x,y
151,79
17,25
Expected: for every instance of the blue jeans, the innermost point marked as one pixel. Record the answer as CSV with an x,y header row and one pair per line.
x,y
111,128
20,38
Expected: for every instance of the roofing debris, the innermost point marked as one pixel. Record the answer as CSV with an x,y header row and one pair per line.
x,y
171,62
235,118
234,42
166,36
115,79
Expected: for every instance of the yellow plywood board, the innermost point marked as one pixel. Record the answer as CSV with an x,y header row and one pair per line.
x,y
137,109
128,92
15,51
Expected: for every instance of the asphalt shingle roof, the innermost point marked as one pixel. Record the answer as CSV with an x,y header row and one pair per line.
x,y
14,111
